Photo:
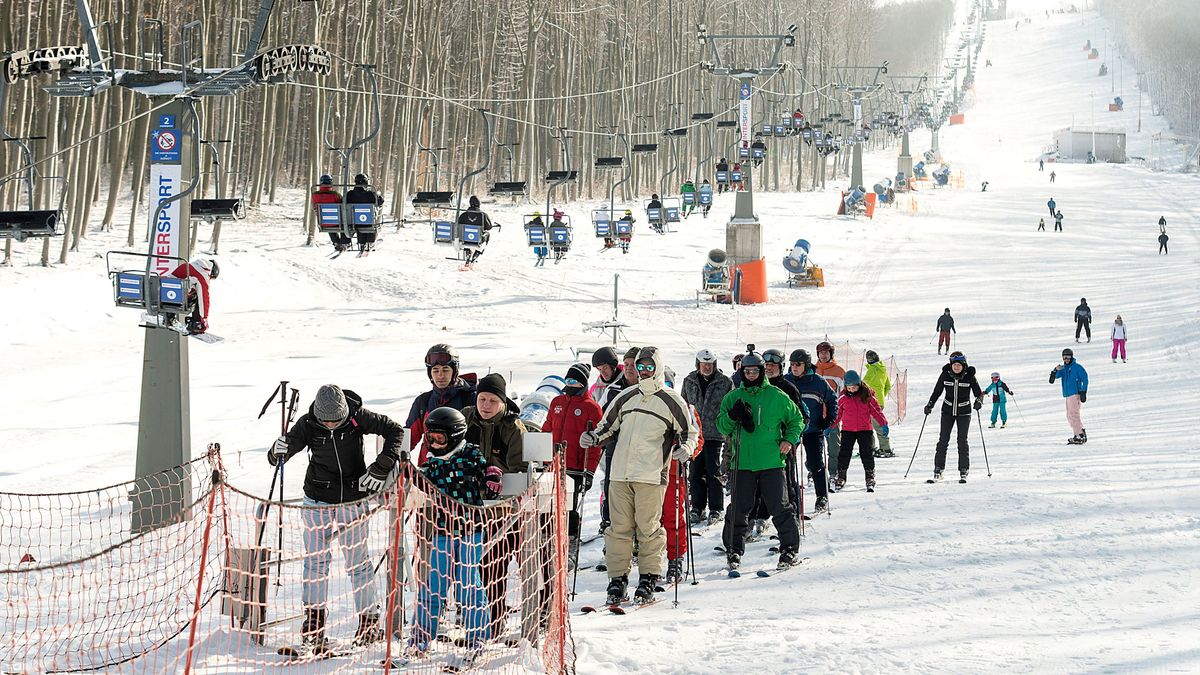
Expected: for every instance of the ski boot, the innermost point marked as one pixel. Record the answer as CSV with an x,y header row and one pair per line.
x,y
644,594
1003,424
572,553
674,571
787,558
313,631
697,517
603,527
715,517
962,476
369,629
760,527
937,476
617,590
992,425
821,506
1114,360
840,481
733,560
1082,436
870,479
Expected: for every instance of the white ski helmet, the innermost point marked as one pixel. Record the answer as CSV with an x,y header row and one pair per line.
x,y
705,356
206,266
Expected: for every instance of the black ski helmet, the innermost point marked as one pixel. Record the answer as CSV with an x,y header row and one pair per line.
x,y
872,356
774,356
361,179
1068,353
474,202
605,356
446,421
801,356
958,357
753,360
326,179
441,355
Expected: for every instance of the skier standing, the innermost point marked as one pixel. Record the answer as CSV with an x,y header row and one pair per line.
x,y
832,373
1083,319
572,413
857,410
1118,336
647,421
449,390
1058,218
945,326
1000,393
879,382
335,483
1053,176
958,385
1074,390
1162,243
1050,205
821,405
463,477
1162,224
608,370
1041,165
703,389
766,425
1041,224
674,513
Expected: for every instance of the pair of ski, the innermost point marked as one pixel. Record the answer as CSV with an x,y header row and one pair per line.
x,y
621,608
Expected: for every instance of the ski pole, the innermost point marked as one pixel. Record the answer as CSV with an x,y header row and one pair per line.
x,y
678,482
914,457
1014,399
731,514
983,443
687,505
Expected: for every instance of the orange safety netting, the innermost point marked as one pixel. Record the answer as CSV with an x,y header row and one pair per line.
x,y
454,587
895,406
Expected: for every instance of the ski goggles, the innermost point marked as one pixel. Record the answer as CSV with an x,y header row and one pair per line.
x,y
645,367
438,359
958,359
437,438
572,382
773,358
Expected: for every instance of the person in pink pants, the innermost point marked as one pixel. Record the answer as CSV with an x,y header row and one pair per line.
x,y
1118,336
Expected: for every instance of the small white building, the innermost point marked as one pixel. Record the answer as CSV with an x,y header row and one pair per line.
x,y
1077,141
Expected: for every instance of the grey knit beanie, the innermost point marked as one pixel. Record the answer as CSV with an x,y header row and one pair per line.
x,y
330,405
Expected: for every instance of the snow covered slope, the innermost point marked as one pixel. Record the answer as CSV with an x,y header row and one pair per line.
x,y
1066,559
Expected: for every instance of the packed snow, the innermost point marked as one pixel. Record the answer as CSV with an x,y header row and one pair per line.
x,y
1066,559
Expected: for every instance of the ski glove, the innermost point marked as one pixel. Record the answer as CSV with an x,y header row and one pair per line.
x,y
741,413
680,454
278,452
928,409
495,484
587,480
1083,397
884,430
978,403
588,439
374,478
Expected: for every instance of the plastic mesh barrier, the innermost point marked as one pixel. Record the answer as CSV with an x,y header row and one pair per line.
x,y
407,580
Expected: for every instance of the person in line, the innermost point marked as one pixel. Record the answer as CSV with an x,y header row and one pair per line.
x,y
704,389
857,410
878,381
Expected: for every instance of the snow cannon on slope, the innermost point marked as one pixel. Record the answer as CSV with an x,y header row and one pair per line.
x,y
856,201
942,175
714,278
801,270
884,192
919,170
536,405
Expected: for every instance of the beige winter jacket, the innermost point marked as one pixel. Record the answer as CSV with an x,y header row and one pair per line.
x,y
648,421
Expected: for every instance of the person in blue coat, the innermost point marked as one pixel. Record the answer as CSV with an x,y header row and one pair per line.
x,y
1000,392
1050,204
821,408
1074,389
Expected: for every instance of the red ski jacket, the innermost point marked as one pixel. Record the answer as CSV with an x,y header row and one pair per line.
x,y
184,271
567,420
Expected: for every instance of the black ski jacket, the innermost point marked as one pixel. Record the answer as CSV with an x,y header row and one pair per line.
x,y
1083,313
820,403
945,322
337,460
363,195
960,391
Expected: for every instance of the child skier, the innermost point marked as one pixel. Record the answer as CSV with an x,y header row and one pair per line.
x,y
462,477
857,408
1000,393
1118,335
572,413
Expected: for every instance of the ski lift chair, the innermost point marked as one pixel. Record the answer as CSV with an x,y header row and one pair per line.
x,y
537,237
36,223
443,232
560,237
656,217
433,199
671,209
517,188
212,210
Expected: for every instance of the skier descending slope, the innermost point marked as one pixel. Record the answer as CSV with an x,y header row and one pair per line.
x,y
857,408
1074,390
958,384
765,426
1000,393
